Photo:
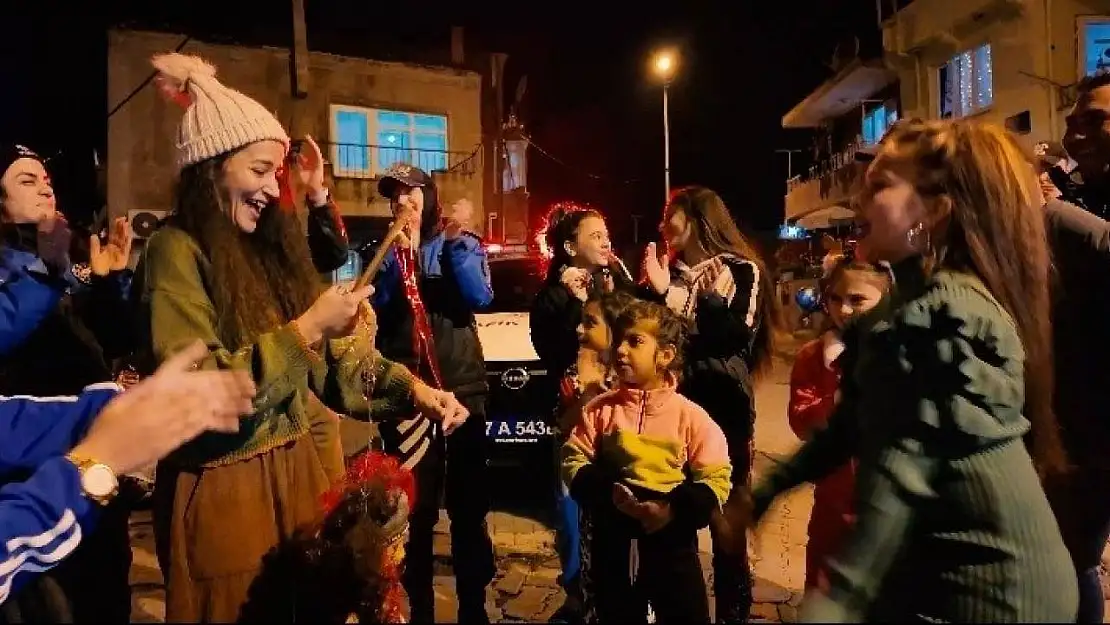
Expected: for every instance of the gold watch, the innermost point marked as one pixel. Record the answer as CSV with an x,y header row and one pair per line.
x,y
98,481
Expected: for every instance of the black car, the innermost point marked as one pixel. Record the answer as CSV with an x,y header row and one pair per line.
x,y
518,423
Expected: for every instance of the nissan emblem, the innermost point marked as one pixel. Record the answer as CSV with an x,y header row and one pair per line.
x,y
514,379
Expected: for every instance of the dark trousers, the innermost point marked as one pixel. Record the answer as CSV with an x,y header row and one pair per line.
x,y
458,467
732,573
668,576
1083,513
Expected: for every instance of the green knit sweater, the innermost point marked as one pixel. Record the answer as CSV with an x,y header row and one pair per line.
x,y
952,524
289,375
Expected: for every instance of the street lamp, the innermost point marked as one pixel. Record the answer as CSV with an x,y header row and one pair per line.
x,y
664,65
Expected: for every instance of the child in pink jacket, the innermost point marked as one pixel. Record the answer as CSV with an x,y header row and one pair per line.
x,y
648,465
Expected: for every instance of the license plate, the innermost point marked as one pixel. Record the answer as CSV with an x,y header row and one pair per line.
x,y
510,431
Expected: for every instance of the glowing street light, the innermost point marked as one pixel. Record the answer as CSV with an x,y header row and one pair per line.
x,y
664,65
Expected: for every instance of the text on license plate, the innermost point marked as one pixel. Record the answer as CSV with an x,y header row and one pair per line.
x,y
518,431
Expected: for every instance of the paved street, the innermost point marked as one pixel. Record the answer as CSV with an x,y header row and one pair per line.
x,y
527,590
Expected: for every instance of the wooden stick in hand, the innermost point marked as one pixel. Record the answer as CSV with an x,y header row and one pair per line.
x,y
395,232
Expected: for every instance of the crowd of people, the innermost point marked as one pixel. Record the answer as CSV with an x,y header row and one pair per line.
x,y
306,435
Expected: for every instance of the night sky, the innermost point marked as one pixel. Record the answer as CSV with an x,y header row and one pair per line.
x,y
591,104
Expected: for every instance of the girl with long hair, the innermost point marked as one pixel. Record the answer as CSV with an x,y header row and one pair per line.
x,y
946,401
234,270
719,282
582,266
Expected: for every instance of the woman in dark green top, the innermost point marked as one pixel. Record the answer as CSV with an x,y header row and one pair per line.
x,y
945,385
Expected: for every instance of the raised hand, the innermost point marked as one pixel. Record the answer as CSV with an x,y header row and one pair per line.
x,y
162,412
310,166
577,281
114,254
657,274
54,238
707,279
458,218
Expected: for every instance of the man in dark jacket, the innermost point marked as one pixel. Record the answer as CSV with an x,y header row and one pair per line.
x,y
425,296
1081,252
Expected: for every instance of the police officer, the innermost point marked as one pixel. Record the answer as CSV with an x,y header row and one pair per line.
x,y
426,292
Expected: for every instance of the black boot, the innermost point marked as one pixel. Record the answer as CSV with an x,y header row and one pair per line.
x,y
472,609
422,607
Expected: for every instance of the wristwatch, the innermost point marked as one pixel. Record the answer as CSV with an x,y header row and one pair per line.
x,y
98,481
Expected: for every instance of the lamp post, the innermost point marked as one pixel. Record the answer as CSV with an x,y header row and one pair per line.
x,y
789,162
664,66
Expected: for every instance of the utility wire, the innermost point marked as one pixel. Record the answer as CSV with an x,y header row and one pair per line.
x,y
146,82
577,170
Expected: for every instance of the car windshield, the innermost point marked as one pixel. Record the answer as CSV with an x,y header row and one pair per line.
x,y
515,283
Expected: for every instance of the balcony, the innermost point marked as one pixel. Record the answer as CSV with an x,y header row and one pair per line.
x,y
349,160
827,183
946,26
853,85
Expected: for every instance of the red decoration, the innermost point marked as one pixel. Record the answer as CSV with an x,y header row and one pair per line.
x,y
285,190
371,466
382,471
173,92
422,339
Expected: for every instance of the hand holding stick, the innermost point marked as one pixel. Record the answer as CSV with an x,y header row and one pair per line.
x,y
396,230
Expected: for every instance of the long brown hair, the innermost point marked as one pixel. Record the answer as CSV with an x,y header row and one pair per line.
x,y
717,233
258,281
995,231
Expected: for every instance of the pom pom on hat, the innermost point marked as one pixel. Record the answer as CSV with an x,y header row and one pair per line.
x,y
217,119
174,73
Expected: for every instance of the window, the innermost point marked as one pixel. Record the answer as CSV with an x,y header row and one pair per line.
x,y
877,121
514,175
350,269
366,142
1094,46
967,83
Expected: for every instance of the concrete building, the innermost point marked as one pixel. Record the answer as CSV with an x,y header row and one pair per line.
x,y
365,115
851,109
1013,62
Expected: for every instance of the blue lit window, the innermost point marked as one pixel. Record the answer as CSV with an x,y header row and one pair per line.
x,y
366,142
877,121
1095,53
966,83
350,270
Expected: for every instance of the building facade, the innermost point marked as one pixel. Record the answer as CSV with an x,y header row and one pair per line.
x,y
364,114
1012,62
850,110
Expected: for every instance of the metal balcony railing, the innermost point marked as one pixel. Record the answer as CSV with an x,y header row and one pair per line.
x,y
828,166
351,160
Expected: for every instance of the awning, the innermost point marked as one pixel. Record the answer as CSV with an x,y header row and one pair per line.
x,y
828,217
857,82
